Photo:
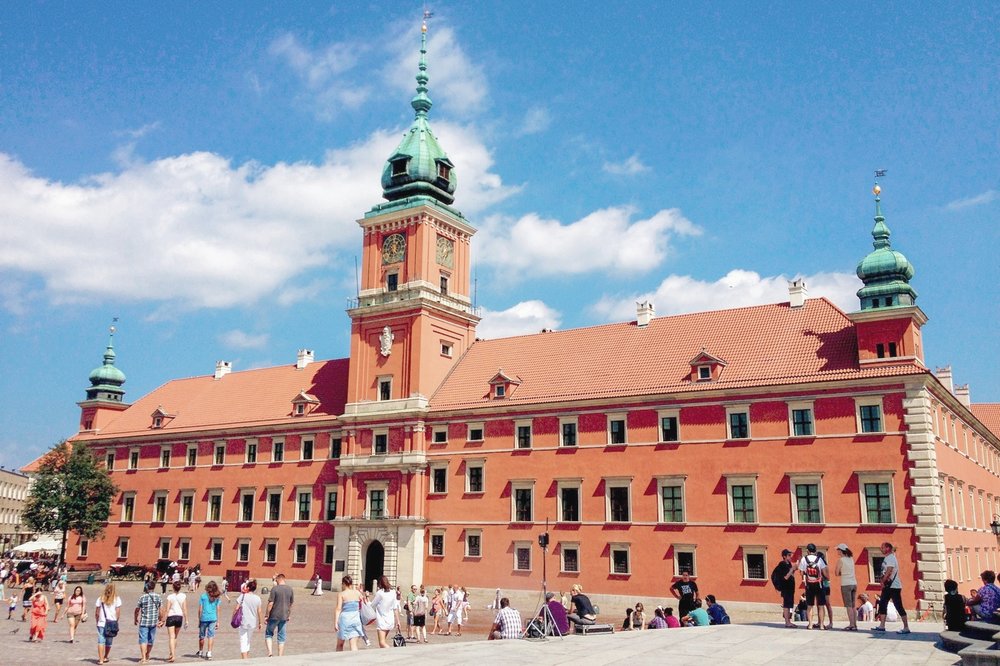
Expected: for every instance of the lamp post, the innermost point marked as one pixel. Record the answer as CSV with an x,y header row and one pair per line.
x,y
995,525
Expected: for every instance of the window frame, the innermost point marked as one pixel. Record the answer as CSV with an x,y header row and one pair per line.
x,y
300,493
619,547
523,484
869,401
128,507
329,552
184,543
133,458
382,432
566,484
563,547
754,550
192,451
668,414
251,453
799,406
686,548
83,548
436,469
439,434
874,477
617,417
330,492
307,448
186,495
518,426
165,455
470,427
875,573
123,544
164,545
216,541
216,458
569,421
109,460
240,545
252,494
671,481
733,410
380,388
212,494
477,463
435,534
160,510
336,445
733,480
278,450
805,479
523,545
374,487
469,534
617,482
269,544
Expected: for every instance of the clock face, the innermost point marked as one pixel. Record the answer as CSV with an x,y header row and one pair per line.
x,y
393,249
445,251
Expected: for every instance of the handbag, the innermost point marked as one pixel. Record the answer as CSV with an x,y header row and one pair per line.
x,y
237,621
110,626
398,640
367,612
83,616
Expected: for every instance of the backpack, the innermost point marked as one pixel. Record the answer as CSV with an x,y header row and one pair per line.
x,y
814,572
777,579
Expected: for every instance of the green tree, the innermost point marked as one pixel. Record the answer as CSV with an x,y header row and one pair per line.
x,y
71,492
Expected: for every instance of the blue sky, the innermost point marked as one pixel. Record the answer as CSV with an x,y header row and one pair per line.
x,y
196,169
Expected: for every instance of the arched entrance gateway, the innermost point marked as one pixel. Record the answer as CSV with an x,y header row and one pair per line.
x,y
374,565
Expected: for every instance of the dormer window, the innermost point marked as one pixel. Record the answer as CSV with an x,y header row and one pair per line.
x,y
501,386
304,403
399,166
499,391
160,418
444,171
704,372
157,421
705,367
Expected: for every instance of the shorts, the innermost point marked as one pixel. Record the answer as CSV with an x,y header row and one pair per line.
x,y
206,629
275,624
58,602
175,620
788,598
147,635
419,620
246,633
102,639
815,594
848,593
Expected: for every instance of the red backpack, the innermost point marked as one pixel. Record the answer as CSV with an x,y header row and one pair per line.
x,y
814,572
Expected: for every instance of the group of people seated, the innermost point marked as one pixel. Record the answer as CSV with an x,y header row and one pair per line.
x,y
664,618
982,604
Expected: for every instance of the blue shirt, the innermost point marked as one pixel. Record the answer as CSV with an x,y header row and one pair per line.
x,y
717,613
700,617
209,608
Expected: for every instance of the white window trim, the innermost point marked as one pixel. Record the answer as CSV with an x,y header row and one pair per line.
x,y
375,434
474,532
212,492
137,454
617,416
244,492
275,442
376,485
268,542
378,387
432,469
685,548
302,448
531,556
447,348
569,483
163,547
130,494
671,480
797,405
180,549
523,484
619,546
330,490
239,546
702,376
573,420
83,548
299,492
479,425
531,434
430,543
754,550
875,576
211,549
563,545
667,413
617,482
123,545
166,506
742,480
329,545
805,478
187,456
470,463
165,449
215,452
738,409
876,477
335,435
180,506
434,433
252,441
868,402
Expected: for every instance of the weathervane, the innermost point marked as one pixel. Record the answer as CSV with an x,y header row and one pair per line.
x,y
113,328
879,173
427,14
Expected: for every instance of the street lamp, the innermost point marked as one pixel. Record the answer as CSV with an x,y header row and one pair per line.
x,y
995,525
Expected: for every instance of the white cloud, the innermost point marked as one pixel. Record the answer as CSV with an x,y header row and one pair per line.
x,y
605,240
630,167
536,119
989,196
524,318
679,294
237,339
323,72
195,230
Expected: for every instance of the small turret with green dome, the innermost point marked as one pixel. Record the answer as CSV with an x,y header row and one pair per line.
x,y
106,380
419,166
885,272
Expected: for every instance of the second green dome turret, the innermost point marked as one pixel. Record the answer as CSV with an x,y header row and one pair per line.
x,y
885,272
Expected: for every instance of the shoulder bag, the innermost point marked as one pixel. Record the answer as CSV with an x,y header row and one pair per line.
x,y
367,611
237,620
110,626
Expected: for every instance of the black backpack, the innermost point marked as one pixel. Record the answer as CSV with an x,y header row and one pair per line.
x,y
777,579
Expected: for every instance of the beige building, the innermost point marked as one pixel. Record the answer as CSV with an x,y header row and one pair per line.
x,y
13,495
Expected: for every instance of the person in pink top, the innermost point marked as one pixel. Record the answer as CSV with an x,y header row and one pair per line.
x,y
672,622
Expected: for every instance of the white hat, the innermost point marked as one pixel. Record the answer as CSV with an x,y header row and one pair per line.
x,y
842,547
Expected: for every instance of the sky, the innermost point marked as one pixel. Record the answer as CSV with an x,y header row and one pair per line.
x,y
197,169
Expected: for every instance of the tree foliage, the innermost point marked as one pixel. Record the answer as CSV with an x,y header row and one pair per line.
x,y
71,492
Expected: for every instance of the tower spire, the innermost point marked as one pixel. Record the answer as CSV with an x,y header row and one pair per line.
x,y
106,381
885,272
421,103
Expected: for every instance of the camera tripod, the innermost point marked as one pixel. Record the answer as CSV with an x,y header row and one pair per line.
x,y
542,622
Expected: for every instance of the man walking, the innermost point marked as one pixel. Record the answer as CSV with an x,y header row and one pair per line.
x,y
892,588
147,617
279,609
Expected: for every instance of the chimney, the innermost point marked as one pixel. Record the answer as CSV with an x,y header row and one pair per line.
x,y
306,356
962,393
644,313
797,293
944,376
223,368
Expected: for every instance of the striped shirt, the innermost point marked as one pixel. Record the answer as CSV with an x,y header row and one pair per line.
x,y
509,622
149,609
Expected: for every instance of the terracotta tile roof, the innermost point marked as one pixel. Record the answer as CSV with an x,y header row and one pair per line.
x,y
763,345
989,414
239,399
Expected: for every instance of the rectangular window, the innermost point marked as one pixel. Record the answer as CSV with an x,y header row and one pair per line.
x,y
385,389
328,551
446,349
159,508
742,498
164,549
620,560
335,447
437,544
215,507
251,452
668,429
274,506
123,548
192,456
277,451
376,504
444,285
522,556
439,479
305,505
475,432
672,501
270,551
870,417
220,454
84,549
522,505
187,507
570,558
739,425
165,457
684,560
616,431
524,436
440,435
307,449
878,502
802,422
109,460
499,390
381,444
754,563
184,550
392,281
473,543
133,459
568,433
246,507
331,505
128,508
618,502
474,477
807,505
243,551
216,555
569,503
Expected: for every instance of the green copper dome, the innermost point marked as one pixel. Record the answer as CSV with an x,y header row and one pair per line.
x,y
885,272
106,380
419,166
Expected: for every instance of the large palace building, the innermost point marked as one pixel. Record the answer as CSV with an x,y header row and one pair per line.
x,y
705,441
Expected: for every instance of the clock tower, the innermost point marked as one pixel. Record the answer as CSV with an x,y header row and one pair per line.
x,y
411,321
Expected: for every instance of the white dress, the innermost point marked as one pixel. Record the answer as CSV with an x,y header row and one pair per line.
x,y
385,604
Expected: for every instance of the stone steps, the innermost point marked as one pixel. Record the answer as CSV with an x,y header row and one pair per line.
x,y
978,644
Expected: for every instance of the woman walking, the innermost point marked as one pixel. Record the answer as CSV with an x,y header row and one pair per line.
x,y
106,614
208,618
39,616
26,593
250,603
59,597
176,617
75,608
420,606
848,585
437,607
347,616
386,611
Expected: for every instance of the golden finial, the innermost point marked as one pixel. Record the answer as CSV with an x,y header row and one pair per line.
x,y
427,14
876,190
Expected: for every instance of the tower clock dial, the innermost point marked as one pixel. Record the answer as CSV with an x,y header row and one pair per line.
x,y
393,249
445,251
